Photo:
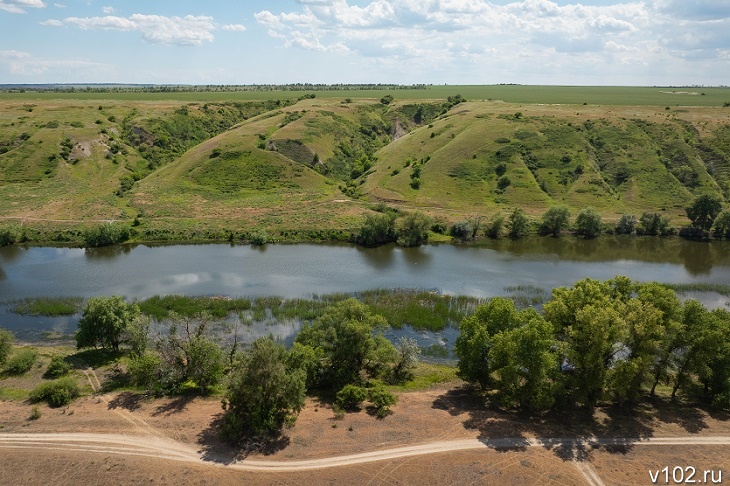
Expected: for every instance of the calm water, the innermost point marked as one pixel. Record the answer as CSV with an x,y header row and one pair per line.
x,y
302,270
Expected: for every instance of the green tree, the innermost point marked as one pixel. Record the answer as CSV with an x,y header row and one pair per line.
x,y
377,230
412,229
348,338
555,220
382,400
408,352
144,370
205,362
350,397
518,224
475,339
588,222
6,345
654,224
8,235
496,224
704,210
106,234
722,224
524,363
103,322
136,335
264,393
626,225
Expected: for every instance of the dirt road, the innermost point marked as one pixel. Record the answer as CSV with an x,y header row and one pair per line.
x,y
162,448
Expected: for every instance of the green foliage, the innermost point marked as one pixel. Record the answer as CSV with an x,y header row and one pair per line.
x,y
495,226
525,363
475,338
462,230
387,99
56,393
21,362
555,220
6,345
350,397
588,222
143,370
48,306
412,229
35,413
626,225
408,352
259,238
106,234
518,224
503,183
722,224
264,393
347,337
136,335
377,230
103,322
57,367
204,362
8,235
655,224
704,210
382,400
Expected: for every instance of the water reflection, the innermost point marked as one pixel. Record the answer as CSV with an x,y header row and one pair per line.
x,y
418,257
108,252
380,258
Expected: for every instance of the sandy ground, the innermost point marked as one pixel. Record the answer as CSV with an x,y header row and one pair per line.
x,y
496,448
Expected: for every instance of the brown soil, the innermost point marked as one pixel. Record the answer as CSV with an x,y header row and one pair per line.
x,y
187,426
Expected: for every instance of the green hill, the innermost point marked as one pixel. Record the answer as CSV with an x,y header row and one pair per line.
x,y
319,164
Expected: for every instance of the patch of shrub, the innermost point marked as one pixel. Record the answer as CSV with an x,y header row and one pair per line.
x,y
6,345
382,400
57,367
106,234
21,362
35,413
350,397
8,235
259,238
56,393
462,230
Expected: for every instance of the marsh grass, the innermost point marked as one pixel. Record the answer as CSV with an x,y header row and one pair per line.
x,y
48,306
722,289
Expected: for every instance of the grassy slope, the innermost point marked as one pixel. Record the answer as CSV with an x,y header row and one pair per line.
x,y
616,158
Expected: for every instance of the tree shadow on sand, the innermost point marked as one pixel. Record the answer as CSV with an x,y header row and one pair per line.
x,y
175,405
126,400
572,433
215,449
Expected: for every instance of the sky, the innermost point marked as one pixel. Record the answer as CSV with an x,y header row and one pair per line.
x,y
554,42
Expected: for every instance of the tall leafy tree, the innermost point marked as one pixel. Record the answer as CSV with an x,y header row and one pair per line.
x,y
347,337
525,363
265,393
588,222
704,210
104,321
6,345
556,219
475,338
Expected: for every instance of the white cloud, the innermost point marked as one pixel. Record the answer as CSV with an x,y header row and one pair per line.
x,y
189,30
234,27
59,5
22,63
20,6
108,10
482,34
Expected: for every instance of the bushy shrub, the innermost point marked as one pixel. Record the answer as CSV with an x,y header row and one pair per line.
x,y
382,400
21,362
626,225
494,228
57,367
588,223
6,345
143,370
8,235
350,397
462,230
259,238
106,234
56,393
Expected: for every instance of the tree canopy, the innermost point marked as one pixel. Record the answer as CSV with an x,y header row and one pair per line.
x,y
104,321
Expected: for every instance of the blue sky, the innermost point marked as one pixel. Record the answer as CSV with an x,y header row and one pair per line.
x,y
603,42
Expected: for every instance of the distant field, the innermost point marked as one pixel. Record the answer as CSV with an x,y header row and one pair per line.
x,y
577,95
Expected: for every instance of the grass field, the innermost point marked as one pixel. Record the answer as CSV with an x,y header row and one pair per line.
x,y
574,95
311,169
